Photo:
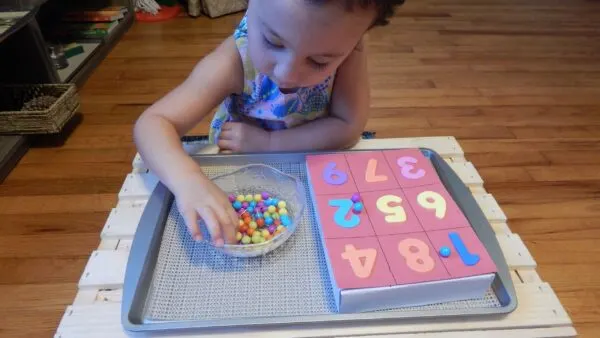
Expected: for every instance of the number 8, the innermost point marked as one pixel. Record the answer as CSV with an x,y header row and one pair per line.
x,y
419,261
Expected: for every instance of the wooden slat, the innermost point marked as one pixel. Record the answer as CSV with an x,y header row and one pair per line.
x,y
105,270
138,186
122,222
538,308
490,208
515,251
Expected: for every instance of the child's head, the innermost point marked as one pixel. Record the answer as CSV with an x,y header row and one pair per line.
x,y
298,43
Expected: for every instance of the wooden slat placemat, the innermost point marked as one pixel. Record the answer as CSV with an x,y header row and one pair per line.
x,y
96,310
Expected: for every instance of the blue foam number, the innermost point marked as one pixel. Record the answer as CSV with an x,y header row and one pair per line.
x,y
333,176
468,258
344,206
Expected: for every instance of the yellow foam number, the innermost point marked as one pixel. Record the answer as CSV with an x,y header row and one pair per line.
x,y
433,201
360,269
419,260
395,214
371,173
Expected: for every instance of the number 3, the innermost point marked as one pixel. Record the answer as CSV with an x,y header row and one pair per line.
x,y
406,166
418,261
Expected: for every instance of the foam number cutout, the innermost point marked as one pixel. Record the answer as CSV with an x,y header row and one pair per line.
x,y
419,260
371,172
395,214
362,269
408,170
433,201
468,258
333,176
344,207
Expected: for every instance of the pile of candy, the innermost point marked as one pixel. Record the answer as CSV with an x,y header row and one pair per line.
x,y
262,217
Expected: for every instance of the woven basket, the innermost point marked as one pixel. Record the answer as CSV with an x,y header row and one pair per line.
x,y
36,109
217,8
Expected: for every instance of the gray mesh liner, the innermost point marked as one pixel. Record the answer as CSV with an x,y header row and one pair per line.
x,y
194,282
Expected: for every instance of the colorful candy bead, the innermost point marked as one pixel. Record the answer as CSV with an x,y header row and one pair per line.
x,y
261,217
356,197
357,208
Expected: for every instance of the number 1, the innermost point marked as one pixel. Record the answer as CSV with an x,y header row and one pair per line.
x,y
468,258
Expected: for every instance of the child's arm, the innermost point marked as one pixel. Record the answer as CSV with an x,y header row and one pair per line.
x,y
158,134
342,128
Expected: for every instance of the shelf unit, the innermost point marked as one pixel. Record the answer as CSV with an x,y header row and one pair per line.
x,y
25,58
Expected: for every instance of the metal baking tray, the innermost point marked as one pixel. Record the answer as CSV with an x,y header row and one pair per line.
x,y
173,283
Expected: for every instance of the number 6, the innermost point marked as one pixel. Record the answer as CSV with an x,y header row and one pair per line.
x,y
333,176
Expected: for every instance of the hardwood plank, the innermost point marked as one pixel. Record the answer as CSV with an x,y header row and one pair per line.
x,y
56,204
564,173
574,156
42,270
61,186
37,224
504,174
21,246
69,170
501,159
54,155
36,295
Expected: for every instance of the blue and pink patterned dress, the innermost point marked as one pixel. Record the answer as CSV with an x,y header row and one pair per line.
x,y
262,103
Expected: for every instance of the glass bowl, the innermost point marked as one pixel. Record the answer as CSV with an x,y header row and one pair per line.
x,y
255,179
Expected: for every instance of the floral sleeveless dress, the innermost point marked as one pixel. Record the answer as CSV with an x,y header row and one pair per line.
x,y
262,103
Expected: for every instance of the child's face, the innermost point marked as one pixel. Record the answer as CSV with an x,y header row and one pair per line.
x,y
298,44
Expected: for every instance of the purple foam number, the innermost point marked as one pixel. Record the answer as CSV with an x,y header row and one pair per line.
x,y
333,176
408,170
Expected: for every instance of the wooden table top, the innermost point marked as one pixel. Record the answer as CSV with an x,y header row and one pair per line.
x,y
517,83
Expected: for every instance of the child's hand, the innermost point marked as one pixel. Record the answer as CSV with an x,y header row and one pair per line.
x,y
241,137
196,196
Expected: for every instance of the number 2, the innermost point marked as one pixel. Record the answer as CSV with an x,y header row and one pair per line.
x,y
333,176
419,261
344,206
353,256
395,214
433,200
406,166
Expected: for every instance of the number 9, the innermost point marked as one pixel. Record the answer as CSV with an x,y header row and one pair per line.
x,y
333,176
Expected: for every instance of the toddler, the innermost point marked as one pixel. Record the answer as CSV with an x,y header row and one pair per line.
x,y
292,77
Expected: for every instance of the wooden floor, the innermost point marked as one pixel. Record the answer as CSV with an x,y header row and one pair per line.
x,y
516,81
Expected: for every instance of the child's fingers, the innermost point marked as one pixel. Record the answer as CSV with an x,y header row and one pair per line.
x,y
212,223
226,135
226,145
227,226
234,220
190,217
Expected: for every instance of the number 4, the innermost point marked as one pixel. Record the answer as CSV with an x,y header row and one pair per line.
x,y
353,255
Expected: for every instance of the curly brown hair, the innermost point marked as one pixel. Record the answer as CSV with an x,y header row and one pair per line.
x,y
385,8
